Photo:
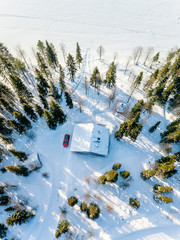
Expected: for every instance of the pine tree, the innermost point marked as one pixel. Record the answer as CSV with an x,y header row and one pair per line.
x,y
54,91
7,140
172,133
42,66
57,113
69,101
51,55
22,120
79,58
149,104
137,108
52,124
176,66
19,217
155,59
22,156
38,109
71,66
18,170
111,76
154,127
61,79
30,112
20,88
17,127
7,98
44,101
4,130
138,79
41,47
42,85
95,78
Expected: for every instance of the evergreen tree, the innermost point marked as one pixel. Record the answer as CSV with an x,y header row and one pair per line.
x,y
57,113
120,133
42,66
17,127
20,88
19,217
138,79
164,71
18,170
61,79
21,68
44,101
22,120
71,66
110,80
154,127
7,98
54,91
30,112
172,133
79,58
52,124
149,104
176,66
51,55
41,47
3,230
95,78
42,85
39,110
22,156
7,140
155,59
69,101
137,108
4,130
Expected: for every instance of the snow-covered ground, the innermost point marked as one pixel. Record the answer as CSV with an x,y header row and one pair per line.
x,y
119,26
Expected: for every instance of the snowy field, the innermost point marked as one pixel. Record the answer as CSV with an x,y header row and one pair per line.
x,y
119,26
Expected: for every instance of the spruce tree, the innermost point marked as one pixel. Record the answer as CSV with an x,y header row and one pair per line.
x,y
16,126
138,79
22,120
79,58
42,66
52,124
41,47
7,98
19,217
176,66
172,133
7,140
61,79
51,55
4,130
42,85
57,113
54,91
20,88
95,78
111,76
22,156
18,170
44,101
71,66
155,59
39,110
30,112
154,127
69,101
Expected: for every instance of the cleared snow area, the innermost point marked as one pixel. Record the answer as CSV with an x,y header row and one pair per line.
x,y
118,25
90,138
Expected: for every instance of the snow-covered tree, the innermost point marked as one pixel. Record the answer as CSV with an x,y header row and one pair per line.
x,y
71,66
79,58
69,101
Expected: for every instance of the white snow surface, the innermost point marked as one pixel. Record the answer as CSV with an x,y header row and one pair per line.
x,y
118,25
85,139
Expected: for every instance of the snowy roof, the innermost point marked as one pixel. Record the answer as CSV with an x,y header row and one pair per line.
x,y
90,137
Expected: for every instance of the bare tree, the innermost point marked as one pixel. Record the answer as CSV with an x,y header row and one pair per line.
x,y
148,54
130,74
80,104
115,55
127,63
137,54
111,96
140,50
22,55
100,51
63,50
86,84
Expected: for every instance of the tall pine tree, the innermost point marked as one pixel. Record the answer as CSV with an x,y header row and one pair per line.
x,y
95,79
79,58
42,85
57,113
51,55
110,80
61,79
71,66
69,101
50,119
